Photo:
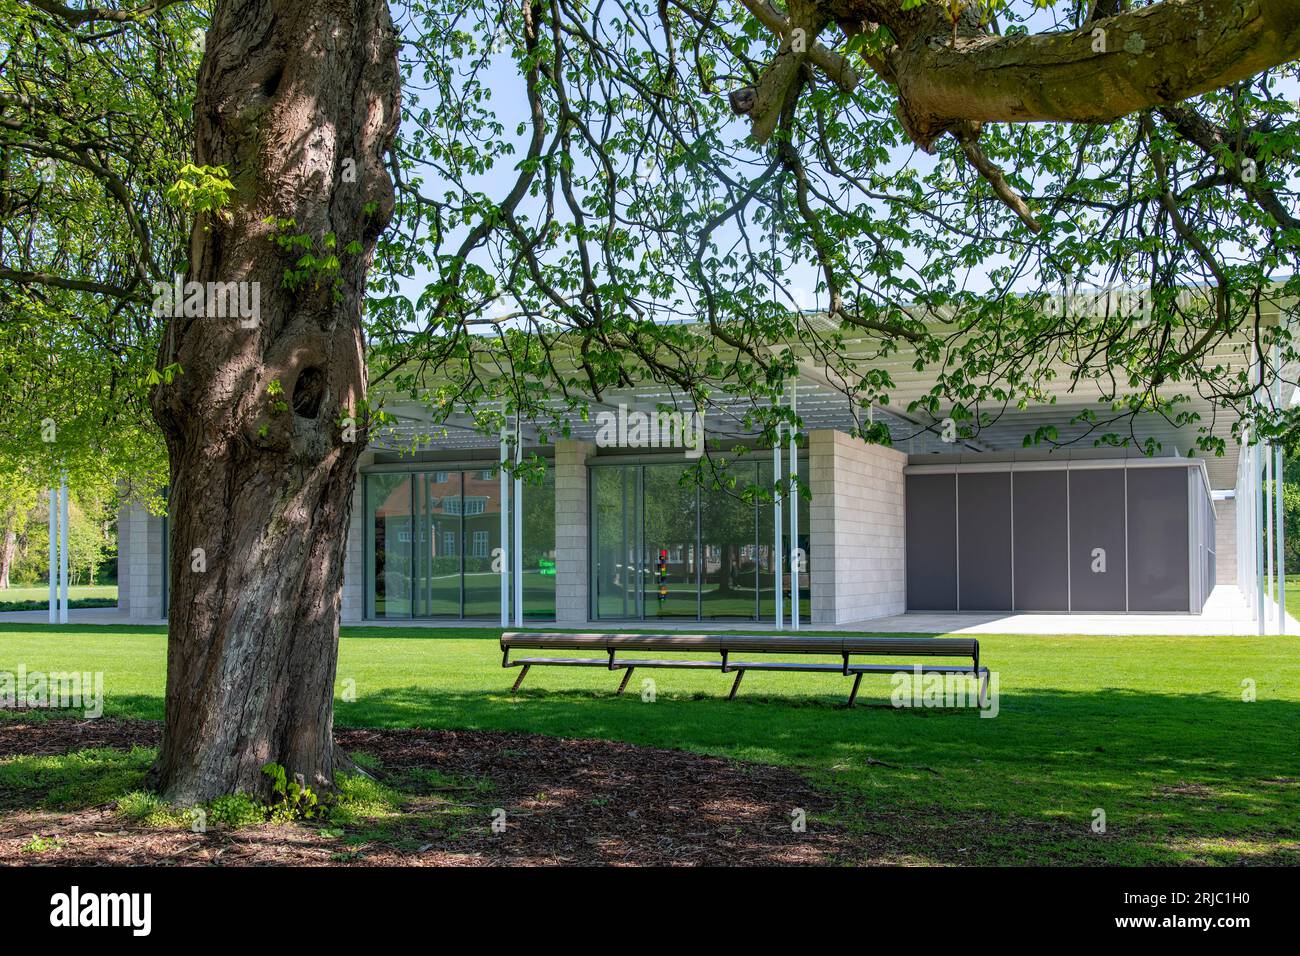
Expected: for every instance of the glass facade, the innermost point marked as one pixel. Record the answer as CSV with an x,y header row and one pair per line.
x,y
664,550
432,540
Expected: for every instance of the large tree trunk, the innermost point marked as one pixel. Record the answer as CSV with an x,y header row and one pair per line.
x,y
299,100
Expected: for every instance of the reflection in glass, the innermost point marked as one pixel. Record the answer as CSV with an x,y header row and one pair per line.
x,y
539,547
728,548
766,543
482,518
704,553
438,509
432,540
388,527
613,514
805,546
671,582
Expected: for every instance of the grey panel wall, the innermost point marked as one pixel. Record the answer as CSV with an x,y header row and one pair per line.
x,y
932,542
1083,539
984,541
1041,532
1159,568
1097,534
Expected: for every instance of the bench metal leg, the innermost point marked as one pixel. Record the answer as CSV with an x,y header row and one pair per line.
x,y
853,694
627,676
736,685
982,698
523,671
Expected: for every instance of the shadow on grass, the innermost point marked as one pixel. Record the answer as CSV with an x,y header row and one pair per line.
x,y
1170,771
1180,777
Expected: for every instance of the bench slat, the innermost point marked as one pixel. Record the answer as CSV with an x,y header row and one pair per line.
x,y
747,643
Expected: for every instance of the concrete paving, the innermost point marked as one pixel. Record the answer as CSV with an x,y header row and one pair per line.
x,y
1225,613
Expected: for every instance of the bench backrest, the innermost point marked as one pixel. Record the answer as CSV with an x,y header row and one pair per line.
x,y
746,643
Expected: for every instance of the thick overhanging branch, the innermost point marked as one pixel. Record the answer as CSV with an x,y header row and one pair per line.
x,y
1150,57
1115,66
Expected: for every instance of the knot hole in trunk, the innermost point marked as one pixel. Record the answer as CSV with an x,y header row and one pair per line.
x,y
308,392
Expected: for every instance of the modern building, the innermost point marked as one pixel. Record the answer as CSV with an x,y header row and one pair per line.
x,y
613,534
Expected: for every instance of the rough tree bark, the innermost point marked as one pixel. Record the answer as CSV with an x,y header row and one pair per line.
x,y
299,100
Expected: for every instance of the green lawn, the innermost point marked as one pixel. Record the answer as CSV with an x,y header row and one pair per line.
x,y
1153,730
38,598
1293,595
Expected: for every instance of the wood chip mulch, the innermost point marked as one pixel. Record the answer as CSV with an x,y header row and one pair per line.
x,y
566,802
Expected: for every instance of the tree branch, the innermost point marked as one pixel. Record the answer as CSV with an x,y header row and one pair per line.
x,y
1150,57
80,16
74,285
967,135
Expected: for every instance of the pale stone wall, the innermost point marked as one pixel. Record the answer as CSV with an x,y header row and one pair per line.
x,y
858,536
571,531
140,563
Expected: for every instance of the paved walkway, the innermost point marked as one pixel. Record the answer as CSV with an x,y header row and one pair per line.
x,y
1225,613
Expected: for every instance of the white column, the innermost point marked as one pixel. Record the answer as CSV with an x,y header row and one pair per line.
x,y
1240,501
1279,588
794,510
54,557
778,553
1271,587
505,536
519,533
1280,538
1258,531
1245,552
63,550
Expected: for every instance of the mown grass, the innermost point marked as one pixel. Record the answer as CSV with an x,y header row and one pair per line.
x,y
1155,731
38,598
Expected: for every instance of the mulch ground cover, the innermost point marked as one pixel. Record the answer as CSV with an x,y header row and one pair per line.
x,y
564,801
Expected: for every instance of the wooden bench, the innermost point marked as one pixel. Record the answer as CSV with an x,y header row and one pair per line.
x,y
727,647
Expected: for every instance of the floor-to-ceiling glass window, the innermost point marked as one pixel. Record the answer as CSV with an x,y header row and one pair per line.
x,y
438,554
767,556
539,548
433,540
482,518
669,544
615,522
729,548
664,549
388,545
805,551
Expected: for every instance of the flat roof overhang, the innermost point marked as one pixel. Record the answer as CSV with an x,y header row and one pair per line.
x,y
823,402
